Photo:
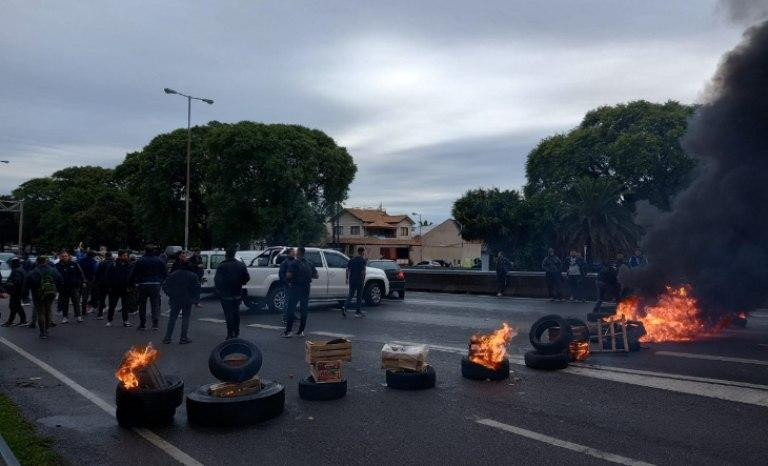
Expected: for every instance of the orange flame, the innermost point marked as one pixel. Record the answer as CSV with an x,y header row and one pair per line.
x,y
675,317
579,350
490,350
135,359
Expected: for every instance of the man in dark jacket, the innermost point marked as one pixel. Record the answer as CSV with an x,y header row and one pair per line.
x,y
181,287
148,274
42,282
355,281
503,266
15,288
299,278
72,283
575,269
88,264
230,277
607,282
101,284
553,266
117,275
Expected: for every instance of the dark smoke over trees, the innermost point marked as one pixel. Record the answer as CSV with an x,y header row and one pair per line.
x,y
716,235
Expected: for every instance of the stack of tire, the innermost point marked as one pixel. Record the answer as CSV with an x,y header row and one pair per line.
x,y
208,410
474,371
552,354
412,380
148,406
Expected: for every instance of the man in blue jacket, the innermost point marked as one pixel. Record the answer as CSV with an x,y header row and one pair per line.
x,y
148,274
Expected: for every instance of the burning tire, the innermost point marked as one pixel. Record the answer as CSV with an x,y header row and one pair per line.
x,y
412,380
474,371
578,328
536,360
143,406
560,341
311,390
206,410
235,370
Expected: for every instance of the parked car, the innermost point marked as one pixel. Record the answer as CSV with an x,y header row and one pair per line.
x,y
429,264
395,274
209,261
248,256
5,271
265,287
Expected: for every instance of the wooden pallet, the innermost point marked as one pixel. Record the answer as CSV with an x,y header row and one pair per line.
x,y
611,334
334,350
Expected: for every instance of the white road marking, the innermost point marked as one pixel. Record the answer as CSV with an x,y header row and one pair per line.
x,y
148,435
711,357
613,458
268,327
331,334
210,319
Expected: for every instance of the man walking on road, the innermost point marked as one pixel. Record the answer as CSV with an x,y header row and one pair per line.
x,y
356,281
299,277
181,287
71,287
290,256
503,266
15,288
43,282
148,274
230,277
117,274
553,268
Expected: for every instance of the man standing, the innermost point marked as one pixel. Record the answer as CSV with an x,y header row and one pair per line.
x,y
72,284
148,274
299,277
575,270
230,277
290,256
43,282
552,268
88,264
503,267
637,260
607,282
196,263
15,288
623,276
117,276
101,284
181,287
356,281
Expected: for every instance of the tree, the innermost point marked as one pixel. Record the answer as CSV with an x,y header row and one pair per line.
x,y
493,216
635,144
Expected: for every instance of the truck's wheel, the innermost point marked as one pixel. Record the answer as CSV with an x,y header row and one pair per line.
x,y
373,293
277,299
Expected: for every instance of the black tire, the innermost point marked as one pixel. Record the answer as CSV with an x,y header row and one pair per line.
x,y
561,341
579,328
228,373
141,407
311,390
412,380
536,360
206,410
373,293
277,298
474,371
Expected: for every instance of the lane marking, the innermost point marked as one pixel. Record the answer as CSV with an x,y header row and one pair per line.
x,y
711,357
331,334
147,434
211,319
529,434
268,327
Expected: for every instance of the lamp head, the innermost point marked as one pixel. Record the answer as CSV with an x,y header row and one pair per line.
x,y
170,91
208,101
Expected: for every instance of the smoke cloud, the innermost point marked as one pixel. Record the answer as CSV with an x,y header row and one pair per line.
x,y
716,235
745,11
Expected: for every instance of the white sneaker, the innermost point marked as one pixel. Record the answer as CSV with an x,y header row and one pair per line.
x,y
80,320
299,334
64,320
108,324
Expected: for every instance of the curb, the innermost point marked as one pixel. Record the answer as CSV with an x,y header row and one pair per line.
x,y
6,454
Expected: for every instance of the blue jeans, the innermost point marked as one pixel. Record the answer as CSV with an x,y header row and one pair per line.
x,y
185,310
355,289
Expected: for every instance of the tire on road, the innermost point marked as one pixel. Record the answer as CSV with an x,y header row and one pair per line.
x,y
206,410
579,328
277,298
372,293
537,360
474,371
311,390
412,380
227,372
560,342
147,407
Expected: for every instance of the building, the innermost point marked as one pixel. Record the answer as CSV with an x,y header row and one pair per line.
x,y
382,235
444,242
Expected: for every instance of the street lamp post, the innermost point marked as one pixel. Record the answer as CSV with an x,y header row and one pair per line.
x,y
421,239
189,147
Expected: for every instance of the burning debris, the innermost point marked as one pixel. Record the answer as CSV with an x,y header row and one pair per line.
x,y
487,358
579,350
138,368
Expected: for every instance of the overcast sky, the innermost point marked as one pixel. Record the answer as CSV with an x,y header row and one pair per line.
x,y
431,98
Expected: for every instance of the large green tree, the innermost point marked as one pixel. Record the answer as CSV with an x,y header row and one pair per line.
x,y
494,216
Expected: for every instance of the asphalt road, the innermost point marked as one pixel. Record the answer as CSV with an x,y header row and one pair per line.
x,y
700,403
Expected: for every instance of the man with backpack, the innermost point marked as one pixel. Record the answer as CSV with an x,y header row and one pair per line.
x,y
230,277
43,283
71,287
148,274
299,277
15,287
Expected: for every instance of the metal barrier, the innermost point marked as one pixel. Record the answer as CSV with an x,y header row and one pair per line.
x,y
519,283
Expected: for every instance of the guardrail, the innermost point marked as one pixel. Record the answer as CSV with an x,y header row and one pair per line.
x,y
519,283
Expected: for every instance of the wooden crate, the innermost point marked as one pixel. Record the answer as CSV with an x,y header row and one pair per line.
x,y
410,357
229,389
326,371
334,350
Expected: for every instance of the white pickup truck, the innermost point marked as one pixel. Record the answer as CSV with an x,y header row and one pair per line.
x,y
265,287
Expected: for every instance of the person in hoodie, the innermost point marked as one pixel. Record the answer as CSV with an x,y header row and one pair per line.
x,y
117,276
148,274
72,283
42,282
181,287
230,277
88,263
15,287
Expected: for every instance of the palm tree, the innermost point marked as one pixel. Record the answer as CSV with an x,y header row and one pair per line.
x,y
594,216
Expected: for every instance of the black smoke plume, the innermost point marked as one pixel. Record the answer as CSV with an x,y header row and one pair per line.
x,y
716,235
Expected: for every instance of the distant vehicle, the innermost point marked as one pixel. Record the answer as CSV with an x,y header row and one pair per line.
x,y
209,261
429,264
265,287
6,256
5,271
395,274
248,256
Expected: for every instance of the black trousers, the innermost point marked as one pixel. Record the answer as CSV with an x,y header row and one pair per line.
x,y
574,285
151,293
297,295
553,285
501,283
231,309
185,310
603,290
67,294
14,305
114,297
355,289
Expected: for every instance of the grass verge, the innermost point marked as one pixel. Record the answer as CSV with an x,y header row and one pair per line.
x,y
29,447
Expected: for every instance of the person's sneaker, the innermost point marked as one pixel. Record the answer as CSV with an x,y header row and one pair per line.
x,y
286,335
166,341
344,312
80,320
499,295
64,320
99,317
358,314
26,303
31,325
299,334
185,341
44,336
141,328
108,324
5,324
155,328
52,324
127,324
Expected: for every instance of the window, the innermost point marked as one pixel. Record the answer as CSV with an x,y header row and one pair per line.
x,y
314,258
354,231
204,260
384,265
335,260
338,230
216,260
403,231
